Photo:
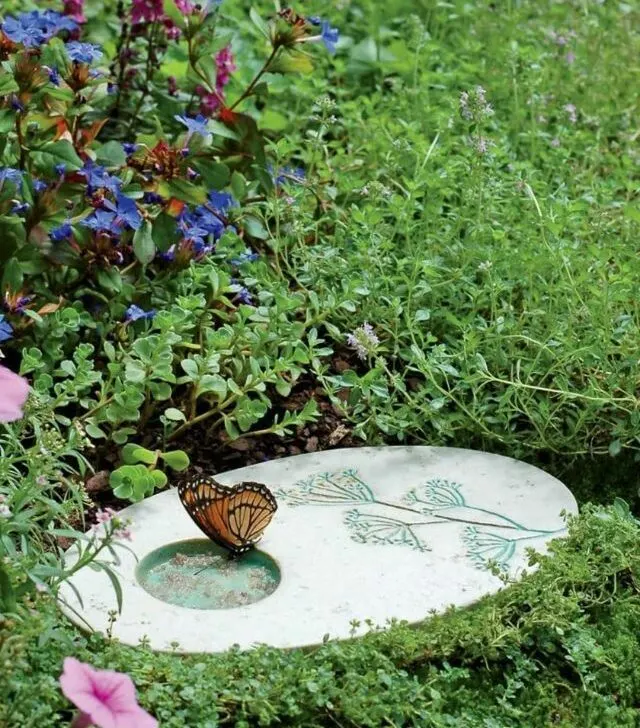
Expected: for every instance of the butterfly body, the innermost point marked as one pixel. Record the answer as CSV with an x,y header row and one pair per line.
x,y
234,517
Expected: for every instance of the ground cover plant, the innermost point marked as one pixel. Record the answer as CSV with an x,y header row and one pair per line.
x,y
234,224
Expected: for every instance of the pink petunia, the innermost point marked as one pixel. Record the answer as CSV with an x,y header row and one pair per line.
x,y
14,391
105,698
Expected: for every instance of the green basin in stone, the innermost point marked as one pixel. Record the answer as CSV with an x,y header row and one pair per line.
x,y
198,574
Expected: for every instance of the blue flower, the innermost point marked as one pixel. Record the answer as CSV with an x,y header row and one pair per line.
x,y
170,254
63,232
103,221
222,201
287,174
152,198
329,36
315,19
83,52
247,257
126,211
98,178
244,296
201,248
209,221
130,148
8,174
35,28
196,125
6,330
39,186
60,169
135,313
20,207
54,76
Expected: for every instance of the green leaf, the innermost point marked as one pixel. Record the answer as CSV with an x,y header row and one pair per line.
x,y
159,478
231,429
292,61
12,236
215,175
7,593
255,228
8,84
165,232
117,588
143,244
238,186
183,190
94,431
111,154
258,21
60,152
176,459
12,275
615,448
213,383
132,454
174,415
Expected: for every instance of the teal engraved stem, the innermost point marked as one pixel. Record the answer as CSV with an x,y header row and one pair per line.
x,y
514,527
537,534
512,524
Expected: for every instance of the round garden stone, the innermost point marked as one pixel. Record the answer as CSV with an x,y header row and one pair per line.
x,y
369,534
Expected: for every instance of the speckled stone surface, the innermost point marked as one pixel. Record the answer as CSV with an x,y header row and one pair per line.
x,y
369,533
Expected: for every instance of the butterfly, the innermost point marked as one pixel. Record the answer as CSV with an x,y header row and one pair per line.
x,y
234,517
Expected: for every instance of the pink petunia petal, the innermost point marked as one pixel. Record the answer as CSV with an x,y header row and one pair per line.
x,y
75,678
137,718
14,391
114,689
107,697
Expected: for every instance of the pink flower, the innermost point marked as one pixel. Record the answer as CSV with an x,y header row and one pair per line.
x,y
105,698
225,66
185,6
75,9
146,11
13,394
104,516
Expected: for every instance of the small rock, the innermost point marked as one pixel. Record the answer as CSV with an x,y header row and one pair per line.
x,y
338,434
241,444
312,444
97,482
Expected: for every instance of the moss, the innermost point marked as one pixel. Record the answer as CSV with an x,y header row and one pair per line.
x,y
558,648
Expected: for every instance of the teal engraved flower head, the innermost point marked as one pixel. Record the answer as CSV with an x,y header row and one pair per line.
x,y
382,530
343,487
436,495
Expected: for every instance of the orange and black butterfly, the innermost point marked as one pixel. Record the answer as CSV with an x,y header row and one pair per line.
x,y
234,517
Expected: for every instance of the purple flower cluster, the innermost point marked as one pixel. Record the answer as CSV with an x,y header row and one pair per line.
x,y
364,340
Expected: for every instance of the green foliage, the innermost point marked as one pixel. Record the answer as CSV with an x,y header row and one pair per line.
x,y
140,476
560,648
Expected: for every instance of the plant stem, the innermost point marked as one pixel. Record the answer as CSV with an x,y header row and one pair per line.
x,y
256,78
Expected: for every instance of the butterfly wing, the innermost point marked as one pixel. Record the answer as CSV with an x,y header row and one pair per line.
x,y
234,517
251,509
